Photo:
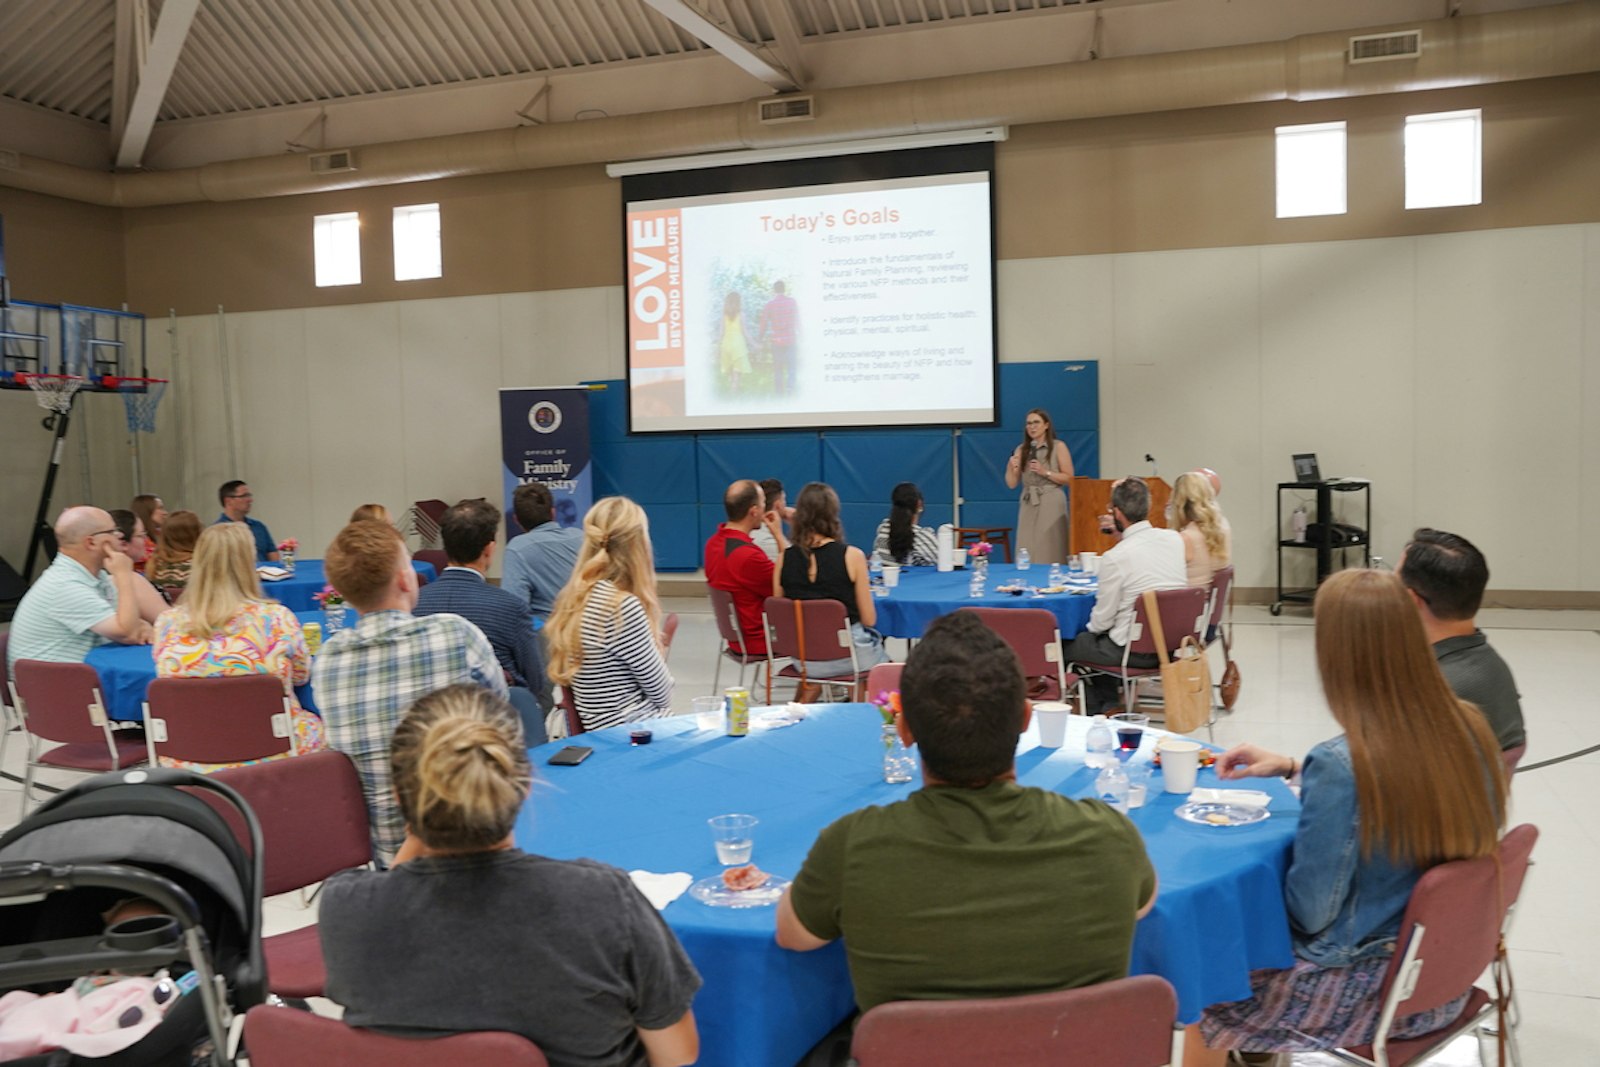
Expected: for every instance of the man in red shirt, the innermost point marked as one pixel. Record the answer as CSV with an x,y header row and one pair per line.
x,y
735,564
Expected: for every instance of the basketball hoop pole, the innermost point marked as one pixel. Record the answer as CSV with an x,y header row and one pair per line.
x,y
44,536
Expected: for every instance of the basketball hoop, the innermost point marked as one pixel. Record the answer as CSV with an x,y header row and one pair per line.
x,y
140,398
54,392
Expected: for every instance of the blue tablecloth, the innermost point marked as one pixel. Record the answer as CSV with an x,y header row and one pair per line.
x,y
295,592
925,593
126,672
1220,912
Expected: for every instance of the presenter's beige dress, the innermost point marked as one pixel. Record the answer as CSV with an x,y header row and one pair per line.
x,y
1042,513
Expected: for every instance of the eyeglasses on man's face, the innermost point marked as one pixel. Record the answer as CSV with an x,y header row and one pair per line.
x,y
241,496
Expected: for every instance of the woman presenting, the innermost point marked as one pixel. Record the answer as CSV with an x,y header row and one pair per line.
x,y
1042,465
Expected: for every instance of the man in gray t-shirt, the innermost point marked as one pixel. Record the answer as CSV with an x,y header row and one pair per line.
x,y
1447,575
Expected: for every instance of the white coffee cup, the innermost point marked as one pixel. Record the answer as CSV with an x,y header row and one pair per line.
x,y
1180,763
1052,719
1090,561
891,575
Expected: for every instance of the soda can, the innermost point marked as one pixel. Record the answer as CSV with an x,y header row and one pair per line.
x,y
313,632
738,711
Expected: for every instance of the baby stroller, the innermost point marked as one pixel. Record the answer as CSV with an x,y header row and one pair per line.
x,y
134,834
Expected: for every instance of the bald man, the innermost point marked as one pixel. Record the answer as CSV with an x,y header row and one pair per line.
x,y
85,598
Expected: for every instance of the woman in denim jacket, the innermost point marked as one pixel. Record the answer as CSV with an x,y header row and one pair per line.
x,y
1415,780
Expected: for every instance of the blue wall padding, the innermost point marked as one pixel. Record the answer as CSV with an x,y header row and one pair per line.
x,y
792,458
680,478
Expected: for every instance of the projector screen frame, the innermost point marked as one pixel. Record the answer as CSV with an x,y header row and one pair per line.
x,y
779,175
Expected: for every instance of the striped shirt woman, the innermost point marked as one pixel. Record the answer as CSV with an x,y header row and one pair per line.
x,y
621,676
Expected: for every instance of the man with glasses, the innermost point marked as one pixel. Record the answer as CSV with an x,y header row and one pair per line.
x,y
85,598
236,501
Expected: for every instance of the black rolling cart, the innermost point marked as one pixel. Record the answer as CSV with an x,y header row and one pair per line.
x,y
1325,535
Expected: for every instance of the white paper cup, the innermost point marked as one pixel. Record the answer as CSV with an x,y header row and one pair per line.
x,y
1137,793
1090,561
891,575
1052,719
1180,762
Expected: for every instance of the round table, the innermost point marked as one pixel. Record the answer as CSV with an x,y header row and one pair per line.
x,y
296,591
1219,913
925,593
126,672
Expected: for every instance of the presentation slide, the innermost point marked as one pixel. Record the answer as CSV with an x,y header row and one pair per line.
x,y
864,303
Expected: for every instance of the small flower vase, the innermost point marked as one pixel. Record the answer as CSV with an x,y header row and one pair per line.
x,y
899,762
335,618
980,567
286,558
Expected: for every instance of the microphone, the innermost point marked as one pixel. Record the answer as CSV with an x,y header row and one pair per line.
x,y
1148,458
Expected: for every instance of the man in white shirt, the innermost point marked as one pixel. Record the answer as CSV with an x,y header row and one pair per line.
x,y
1146,558
85,598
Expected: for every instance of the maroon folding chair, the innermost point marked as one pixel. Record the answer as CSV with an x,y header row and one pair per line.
x,y
435,556
1455,921
286,1037
1125,1023
817,631
884,678
60,703
1219,626
567,701
1035,636
1512,756
313,819
732,635
228,719
1181,612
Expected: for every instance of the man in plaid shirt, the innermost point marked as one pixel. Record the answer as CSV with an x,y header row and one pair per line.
x,y
367,676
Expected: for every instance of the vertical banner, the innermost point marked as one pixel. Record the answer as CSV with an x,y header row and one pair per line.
x,y
544,437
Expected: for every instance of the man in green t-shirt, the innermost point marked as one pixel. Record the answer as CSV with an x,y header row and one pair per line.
x,y
974,885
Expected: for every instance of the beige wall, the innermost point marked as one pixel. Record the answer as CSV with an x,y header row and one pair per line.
x,y
1442,354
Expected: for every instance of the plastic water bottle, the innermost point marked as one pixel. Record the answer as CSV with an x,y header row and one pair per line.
x,y
1100,744
1055,575
1111,786
1022,560
975,586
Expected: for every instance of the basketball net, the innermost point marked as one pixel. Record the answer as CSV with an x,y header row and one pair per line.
x,y
140,399
54,392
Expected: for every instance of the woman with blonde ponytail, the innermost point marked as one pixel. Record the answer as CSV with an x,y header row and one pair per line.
x,y
605,631
1416,779
467,932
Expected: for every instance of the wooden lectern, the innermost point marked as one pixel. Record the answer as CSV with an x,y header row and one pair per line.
x,y
1090,498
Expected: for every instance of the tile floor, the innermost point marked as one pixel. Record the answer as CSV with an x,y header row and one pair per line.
x,y
1555,943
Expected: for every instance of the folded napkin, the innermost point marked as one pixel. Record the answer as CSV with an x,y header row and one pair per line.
x,y
661,889
1243,798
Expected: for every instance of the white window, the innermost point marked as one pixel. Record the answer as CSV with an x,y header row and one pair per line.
x,y
1311,170
1444,159
416,242
336,244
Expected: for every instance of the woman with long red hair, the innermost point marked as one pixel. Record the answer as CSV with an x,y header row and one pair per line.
x,y
1415,780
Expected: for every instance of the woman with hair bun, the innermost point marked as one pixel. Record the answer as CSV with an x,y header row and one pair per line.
x,y
605,631
567,953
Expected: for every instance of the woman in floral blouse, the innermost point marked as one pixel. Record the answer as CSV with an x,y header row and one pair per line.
x,y
224,626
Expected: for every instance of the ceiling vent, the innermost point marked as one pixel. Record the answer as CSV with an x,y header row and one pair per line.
x,y
340,162
788,109
1382,47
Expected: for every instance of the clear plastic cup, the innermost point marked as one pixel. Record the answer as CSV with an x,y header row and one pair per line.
x,y
735,838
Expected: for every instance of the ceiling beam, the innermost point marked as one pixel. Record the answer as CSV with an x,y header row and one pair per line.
x,y
735,49
786,36
154,74
131,42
